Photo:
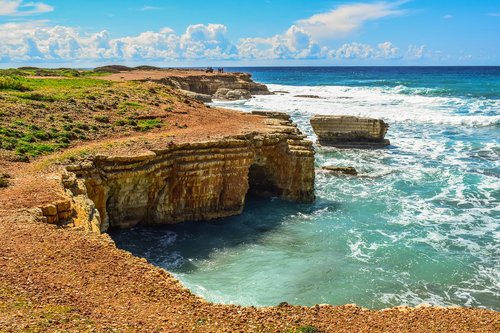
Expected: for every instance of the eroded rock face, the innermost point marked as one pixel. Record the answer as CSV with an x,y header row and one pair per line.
x,y
350,131
199,181
240,85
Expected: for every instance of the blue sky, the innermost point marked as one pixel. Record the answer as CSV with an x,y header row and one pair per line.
x,y
257,32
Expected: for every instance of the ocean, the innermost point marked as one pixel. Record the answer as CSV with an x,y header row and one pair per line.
x,y
419,224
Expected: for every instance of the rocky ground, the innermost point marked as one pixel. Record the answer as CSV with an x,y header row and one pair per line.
x,y
69,280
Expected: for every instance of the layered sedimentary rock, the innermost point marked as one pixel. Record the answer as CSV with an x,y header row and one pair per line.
x,y
221,86
194,181
350,131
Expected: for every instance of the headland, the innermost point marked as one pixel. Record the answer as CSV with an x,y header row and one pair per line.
x,y
84,151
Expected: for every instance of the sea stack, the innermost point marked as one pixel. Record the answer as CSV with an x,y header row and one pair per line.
x,y
350,131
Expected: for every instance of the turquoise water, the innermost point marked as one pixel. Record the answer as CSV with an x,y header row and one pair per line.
x,y
420,224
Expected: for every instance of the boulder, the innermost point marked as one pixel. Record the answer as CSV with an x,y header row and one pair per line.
x,y
232,94
350,131
199,97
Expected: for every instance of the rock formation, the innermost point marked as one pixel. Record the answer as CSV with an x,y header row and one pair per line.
x,y
273,114
192,181
230,86
199,97
350,131
308,96
340,169
232,94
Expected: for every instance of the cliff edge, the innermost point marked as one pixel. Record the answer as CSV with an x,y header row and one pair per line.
x,y
202,86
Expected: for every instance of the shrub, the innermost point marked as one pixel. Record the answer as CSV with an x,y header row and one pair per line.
x,y
306,329
4,179
12,83
34,149
148,124
83,126
38,97
102,119
42,135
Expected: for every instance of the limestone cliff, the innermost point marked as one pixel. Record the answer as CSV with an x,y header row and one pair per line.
x,y
350,131
193,181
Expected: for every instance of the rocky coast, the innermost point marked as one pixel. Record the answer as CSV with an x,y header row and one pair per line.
x,y
161,157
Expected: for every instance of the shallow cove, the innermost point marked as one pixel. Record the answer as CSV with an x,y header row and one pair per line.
x,y
280,251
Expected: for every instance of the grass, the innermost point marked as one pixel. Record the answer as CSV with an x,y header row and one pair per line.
x,y
305,329
13,83
148,124
39,116
43,115
51,72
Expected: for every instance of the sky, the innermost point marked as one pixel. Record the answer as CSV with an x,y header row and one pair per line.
x,y
249,32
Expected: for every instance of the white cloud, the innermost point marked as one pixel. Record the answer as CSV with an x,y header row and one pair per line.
x,y
494,14
448,17
207,41
36,41
364,51
345,19
415,52
295,43
148,8
22,8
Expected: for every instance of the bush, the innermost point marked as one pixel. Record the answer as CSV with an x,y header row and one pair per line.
x,y
4,179
12,83
82,126
38,97
306,329
148,124
102,119
34,149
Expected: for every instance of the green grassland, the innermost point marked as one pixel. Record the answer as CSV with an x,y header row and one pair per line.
x,y
44,110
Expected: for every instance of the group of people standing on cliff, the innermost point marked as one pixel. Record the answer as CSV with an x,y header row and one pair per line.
x,y
211,70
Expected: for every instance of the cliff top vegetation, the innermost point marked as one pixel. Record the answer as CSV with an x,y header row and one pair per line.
x,y
42,111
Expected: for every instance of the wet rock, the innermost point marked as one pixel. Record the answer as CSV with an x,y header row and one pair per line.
x,y
340,169
308,96
273,114
350,131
